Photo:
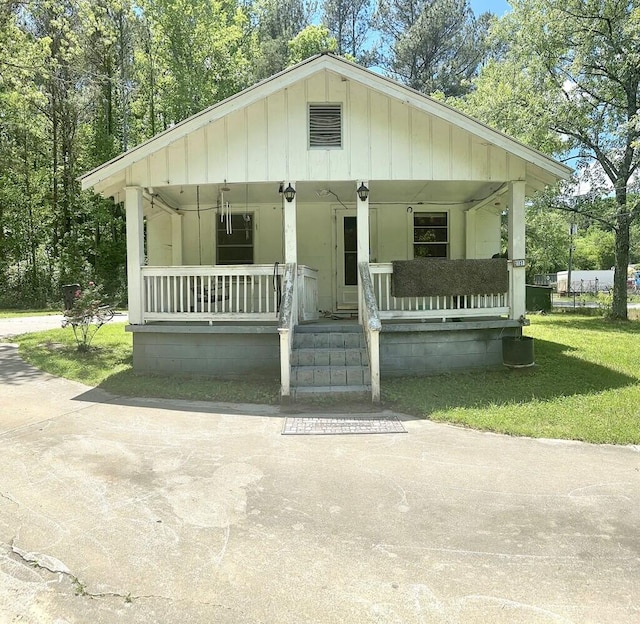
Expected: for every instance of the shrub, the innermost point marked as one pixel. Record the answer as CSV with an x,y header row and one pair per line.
x,y
87,315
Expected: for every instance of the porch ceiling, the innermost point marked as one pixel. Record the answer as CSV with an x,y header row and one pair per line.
x,y
381,192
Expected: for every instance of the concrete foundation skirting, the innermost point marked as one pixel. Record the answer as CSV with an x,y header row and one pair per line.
x,y
432,352
230,352
214,354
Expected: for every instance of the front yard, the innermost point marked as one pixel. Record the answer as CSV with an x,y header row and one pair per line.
x,y
585,385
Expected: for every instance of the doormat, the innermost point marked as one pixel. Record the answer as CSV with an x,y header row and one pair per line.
x,y
332,425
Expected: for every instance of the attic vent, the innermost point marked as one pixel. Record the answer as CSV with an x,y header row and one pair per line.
x,y
325,125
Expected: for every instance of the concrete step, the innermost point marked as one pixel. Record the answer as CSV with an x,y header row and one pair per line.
x,y
314,328
328,340
351,392
314,376
329,357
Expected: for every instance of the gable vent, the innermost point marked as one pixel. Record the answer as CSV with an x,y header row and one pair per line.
x,y
325,125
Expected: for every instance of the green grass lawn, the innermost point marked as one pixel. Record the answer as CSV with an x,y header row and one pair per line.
x,y
585,385
108,364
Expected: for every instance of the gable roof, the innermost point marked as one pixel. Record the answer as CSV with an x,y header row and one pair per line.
x,y
301,71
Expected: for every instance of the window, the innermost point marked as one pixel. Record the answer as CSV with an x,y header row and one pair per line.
x,y
235,244
325,125
430,235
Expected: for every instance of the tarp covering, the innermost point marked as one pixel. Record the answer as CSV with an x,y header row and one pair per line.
x,y
425,277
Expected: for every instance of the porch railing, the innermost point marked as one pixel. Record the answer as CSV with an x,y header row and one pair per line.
x,y
450,306
223,293
247,292
371,326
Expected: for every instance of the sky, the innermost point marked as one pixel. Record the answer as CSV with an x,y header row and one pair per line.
x,y
499,7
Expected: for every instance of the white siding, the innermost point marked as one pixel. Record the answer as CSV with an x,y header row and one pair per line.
x,y
216,151
159,239
382,139
487,233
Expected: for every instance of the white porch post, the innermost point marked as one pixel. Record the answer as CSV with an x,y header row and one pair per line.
x,y
516,226
135,252
290,232
362,221
176,239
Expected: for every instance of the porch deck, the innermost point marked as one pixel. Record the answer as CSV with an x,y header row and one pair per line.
x,y
238,320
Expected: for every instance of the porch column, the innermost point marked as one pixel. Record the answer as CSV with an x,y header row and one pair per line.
x,y
135,252
362,224
516,248
290,231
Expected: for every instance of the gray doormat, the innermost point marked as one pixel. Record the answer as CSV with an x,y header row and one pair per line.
x,y
336,425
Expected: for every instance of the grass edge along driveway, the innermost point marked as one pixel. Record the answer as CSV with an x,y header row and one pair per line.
x,y
585,385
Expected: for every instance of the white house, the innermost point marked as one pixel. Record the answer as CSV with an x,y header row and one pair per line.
x,y
257,228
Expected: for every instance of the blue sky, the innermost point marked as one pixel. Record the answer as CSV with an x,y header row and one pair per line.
x,y
499,7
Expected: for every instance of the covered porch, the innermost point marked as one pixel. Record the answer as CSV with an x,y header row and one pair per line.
x,y
281,296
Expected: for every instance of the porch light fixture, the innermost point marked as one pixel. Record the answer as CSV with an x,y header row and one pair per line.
x,y
289,193
363,192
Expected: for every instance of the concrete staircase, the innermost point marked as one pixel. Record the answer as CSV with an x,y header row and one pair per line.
x,y
329,359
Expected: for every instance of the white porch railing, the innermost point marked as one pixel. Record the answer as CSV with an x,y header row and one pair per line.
x,y
456,306
223,293
371,326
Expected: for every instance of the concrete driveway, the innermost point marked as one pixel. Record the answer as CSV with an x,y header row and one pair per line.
x,y
117,510
25,324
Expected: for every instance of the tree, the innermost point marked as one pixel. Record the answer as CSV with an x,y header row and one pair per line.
x,y
23,164
547,238
350,23
312,40
198,54
435,45
576,66
276,22
594,250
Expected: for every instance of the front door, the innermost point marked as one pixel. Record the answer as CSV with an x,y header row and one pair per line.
x,y
346,259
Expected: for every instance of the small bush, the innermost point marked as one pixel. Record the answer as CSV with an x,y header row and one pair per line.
x,y
87,315
605,303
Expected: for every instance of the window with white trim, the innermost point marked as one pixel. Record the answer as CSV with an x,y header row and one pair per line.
x,y
430,235
325,125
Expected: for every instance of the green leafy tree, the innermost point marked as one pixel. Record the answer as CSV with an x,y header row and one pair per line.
x,y
547,240
569,83
312,40
24,173
594,250
201,53
275,23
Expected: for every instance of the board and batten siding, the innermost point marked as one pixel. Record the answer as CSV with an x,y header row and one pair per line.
x,y
382,138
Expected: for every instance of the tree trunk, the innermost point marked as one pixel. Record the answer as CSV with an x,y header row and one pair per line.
x,y
619,305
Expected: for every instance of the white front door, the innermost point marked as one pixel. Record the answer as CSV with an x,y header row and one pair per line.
x,y
346,259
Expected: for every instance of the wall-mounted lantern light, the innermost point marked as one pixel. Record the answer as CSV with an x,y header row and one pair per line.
x,y
289,193
363,192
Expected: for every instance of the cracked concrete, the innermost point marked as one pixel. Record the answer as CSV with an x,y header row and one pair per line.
x,y
146,512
